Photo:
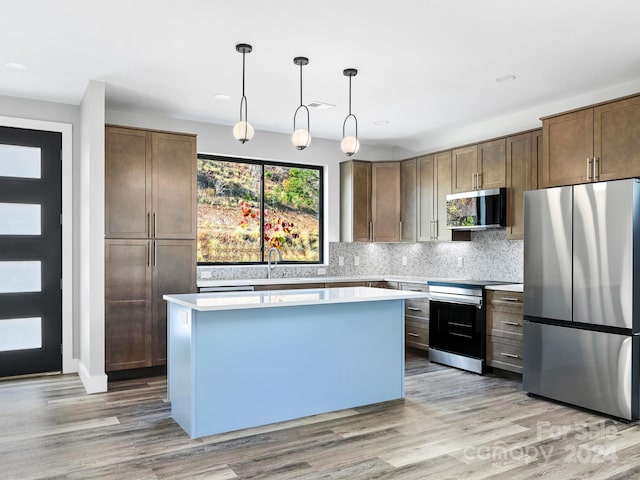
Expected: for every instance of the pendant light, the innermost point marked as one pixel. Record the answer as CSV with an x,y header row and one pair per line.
x,y
350,144
243,130
301,137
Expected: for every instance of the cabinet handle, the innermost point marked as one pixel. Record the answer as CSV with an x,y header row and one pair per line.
x,y
400,230
510,355
371,231
149,223
596,173
478,180
513,324
414,309
435,229
589,172
148,254
430,229
155,224
473,181
510,299
155,254
411,334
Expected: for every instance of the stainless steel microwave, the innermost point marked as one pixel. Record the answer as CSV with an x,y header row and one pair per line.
x,y
477,210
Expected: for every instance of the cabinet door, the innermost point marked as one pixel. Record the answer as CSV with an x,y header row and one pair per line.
x,y
616,139
491,164
443,188
174,271
426,198
127,304
464,169
385,205
408,200
519,172
355,201
567,149
174,186
127,183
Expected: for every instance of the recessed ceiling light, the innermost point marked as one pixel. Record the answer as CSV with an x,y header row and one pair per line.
x,y
222,96
16,66
320,105
506,78
381,122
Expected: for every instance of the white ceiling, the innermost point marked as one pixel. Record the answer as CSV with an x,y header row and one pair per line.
x,y
423,64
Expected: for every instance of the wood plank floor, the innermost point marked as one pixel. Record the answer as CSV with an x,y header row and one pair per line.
x,y
451,425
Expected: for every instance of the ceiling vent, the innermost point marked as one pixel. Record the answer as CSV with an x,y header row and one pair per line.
x,y
320,105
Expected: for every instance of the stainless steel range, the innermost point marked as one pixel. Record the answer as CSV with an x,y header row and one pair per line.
x,y
457,324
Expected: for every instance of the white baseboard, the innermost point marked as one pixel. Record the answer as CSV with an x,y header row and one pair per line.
x,y
92,383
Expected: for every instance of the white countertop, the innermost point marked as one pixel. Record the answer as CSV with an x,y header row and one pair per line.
x,y
513,287
281,298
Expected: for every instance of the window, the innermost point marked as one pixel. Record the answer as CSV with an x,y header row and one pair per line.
x,y
245,207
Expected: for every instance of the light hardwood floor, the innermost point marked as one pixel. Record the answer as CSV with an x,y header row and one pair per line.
x,y
451,425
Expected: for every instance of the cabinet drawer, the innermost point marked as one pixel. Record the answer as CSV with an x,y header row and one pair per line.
x,y
416,335
499,298
415,287
416,308
505,324
504,353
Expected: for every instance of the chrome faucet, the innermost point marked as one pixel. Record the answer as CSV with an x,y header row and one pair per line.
x,y
278,259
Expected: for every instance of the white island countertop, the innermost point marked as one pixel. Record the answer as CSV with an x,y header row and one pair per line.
x,y
282,298
512,287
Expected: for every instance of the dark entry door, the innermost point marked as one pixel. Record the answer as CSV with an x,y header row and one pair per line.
x,y
30,251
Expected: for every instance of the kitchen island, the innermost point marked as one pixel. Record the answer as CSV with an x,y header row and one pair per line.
x,y
244,359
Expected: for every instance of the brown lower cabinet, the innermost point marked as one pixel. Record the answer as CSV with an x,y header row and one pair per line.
x,y
138,273
504,330
416,317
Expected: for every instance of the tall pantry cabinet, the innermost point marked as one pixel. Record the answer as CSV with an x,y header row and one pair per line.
x,y
150,239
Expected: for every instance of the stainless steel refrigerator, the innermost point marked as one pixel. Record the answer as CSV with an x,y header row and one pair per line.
x,y
581,296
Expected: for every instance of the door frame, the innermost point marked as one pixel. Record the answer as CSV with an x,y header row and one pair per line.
x,y
69,360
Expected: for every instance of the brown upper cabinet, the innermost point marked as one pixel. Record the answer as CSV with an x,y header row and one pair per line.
x,y
479,167
150,183
385,201
523,153
408,200
369,201
593,144
355,201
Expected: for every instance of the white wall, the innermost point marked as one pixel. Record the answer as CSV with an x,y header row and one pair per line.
x,y
92,333
218,140
526,119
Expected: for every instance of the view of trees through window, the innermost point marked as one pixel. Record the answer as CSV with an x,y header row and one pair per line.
x,y
246,207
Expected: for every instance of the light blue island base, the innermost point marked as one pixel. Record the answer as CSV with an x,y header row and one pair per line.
x,y
234,369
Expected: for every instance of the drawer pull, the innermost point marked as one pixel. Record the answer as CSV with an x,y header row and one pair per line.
x,y
510,355
455,324
510,299
414,309
411,334
513,324
460,335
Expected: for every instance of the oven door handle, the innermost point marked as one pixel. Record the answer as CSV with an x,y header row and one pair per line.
x,y
457,299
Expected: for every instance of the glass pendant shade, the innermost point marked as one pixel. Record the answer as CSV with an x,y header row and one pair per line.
x,y
350,145
301,138
243,131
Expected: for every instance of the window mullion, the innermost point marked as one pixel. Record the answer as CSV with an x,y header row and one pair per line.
x,y
262,245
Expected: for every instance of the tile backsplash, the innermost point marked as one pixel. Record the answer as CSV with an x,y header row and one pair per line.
x,y
488,256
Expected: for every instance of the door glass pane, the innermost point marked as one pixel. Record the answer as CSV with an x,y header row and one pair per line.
x,y
19,161
20,277
20,333
19,219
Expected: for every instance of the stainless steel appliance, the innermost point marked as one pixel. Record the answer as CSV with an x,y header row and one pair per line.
x,y
581,296
457,323
477,210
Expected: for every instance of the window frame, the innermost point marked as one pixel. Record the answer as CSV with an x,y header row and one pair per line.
x,y
263,164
